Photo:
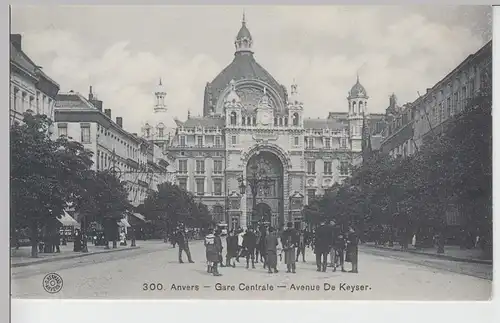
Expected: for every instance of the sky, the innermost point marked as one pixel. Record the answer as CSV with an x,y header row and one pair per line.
x,y
122,51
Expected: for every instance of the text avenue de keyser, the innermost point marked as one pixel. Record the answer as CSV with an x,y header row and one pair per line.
x,y
244,287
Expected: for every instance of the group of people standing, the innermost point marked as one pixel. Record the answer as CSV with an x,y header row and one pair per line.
x,y
263,244
341,246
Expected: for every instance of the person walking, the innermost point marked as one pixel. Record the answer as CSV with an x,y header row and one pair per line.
x,y
301,248
339,247
332,245
271,244
258,236
323,238
56,241
249,244
231,248
182,242
289,242
240,235
213,249
77,244
352,249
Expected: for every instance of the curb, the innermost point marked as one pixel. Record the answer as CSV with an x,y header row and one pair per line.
x,y
452,258
36,262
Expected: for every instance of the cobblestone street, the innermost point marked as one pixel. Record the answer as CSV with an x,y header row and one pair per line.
x,y
383,276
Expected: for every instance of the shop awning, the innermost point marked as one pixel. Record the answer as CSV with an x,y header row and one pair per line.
x,y
68,221
124,223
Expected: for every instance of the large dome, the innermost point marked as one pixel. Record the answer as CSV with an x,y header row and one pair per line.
x,y
243,67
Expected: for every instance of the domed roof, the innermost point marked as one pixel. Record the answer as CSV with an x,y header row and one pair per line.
x,y
357,90
244,32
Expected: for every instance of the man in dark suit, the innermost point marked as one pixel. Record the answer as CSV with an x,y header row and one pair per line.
x,y
323,240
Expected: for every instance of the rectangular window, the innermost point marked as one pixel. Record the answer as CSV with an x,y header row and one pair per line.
x,y
85,134
160,132
200,167
62,130
343,143
217,187
183,166
296,141
311,194
183,141
344,168
200,186
218,141
327,143
327,168
455,103
183,183
217,166
448,107
233,140
311,167
199,141
310,143
463,98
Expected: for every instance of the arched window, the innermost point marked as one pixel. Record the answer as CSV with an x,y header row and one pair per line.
x,y
286,121
295,119
281,121
254,121
249,121
275,121
233,118
354,107
360,107
243,119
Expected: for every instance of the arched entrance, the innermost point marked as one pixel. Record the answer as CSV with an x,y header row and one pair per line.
x,y
265,175
263,212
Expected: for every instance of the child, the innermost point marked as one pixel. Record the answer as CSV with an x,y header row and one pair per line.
x,y
213,248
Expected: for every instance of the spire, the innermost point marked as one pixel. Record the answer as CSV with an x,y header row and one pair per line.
x,y
189,114
243,20
243,42
160,82
91,95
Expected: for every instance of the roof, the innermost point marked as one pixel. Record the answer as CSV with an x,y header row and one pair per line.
x,y
243,66
357,90
207,122
72,100
244,32
323,124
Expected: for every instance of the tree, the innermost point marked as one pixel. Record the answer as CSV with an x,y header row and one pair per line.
x,y
43,176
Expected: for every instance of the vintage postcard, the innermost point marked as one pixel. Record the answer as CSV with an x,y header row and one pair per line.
x,y
271,153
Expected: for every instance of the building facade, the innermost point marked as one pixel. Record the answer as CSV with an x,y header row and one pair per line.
x,y
31,90
252,155
134,160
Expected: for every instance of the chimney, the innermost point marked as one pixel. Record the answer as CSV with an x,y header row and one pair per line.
x,y
91,95
15,39
97,104
119,122
428,90
107,112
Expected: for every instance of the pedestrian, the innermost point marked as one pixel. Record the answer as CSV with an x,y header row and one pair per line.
x,y
332,245
231,248
240,235
213,249
258,236
339,247
182,241
249,244
261,246
271,244
323,239
217,237
352,249
289,241
77,244
301,248
57,241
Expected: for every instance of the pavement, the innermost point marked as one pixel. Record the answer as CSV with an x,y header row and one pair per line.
x,y
22,257
153,272
454,253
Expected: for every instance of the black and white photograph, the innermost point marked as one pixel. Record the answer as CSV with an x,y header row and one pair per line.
x,y
251,152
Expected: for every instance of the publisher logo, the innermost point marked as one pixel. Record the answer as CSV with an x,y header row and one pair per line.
x,y
52,283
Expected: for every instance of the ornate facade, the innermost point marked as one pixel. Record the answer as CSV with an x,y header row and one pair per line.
x,y
251,127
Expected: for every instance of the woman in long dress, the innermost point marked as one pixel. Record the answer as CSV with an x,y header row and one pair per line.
x,y
271,251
